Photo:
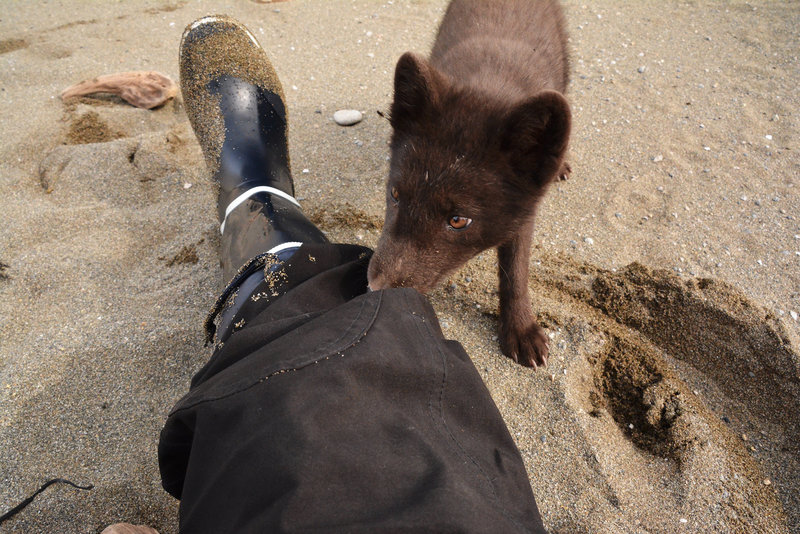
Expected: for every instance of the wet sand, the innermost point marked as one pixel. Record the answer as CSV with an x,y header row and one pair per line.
x,y
666,269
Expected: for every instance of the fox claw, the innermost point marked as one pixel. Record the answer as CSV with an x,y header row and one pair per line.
x,y
527,346
565,171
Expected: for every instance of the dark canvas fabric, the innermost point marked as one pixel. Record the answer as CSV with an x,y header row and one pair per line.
x,y
333,409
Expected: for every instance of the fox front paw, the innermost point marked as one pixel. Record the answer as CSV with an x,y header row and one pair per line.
x,y
526,345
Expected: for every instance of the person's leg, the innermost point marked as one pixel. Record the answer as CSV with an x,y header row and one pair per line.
x,y
330,408
235,103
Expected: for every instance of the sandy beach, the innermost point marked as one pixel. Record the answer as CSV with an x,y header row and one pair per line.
x,y
666,270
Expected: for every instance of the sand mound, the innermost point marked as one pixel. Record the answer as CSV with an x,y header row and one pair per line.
x,y
688,391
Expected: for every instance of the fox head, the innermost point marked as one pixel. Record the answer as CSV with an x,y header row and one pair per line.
x,y
466,173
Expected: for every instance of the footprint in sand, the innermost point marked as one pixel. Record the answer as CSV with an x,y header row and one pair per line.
x,y
125,171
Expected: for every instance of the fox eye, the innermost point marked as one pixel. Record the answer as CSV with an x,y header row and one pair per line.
x,y
459,223
395,194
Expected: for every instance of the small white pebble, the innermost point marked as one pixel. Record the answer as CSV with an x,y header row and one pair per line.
x,y
347,117
589,240
793,314
684,520
187,185
658,158
306,171
767,482
630,426
769,137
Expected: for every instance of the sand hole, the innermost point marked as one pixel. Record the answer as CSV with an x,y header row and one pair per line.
x,y
645,404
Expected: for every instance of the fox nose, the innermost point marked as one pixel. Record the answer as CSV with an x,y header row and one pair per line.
x,y
376,283
376,277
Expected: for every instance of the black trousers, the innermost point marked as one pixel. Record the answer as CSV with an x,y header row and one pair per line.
x,y
333,409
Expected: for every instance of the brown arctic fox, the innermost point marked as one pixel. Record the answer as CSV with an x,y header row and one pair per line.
x,y
479,131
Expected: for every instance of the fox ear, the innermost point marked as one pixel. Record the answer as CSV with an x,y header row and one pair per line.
x,y
535,135
417,85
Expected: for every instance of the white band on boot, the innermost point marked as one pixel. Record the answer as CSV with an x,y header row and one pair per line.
x,y
250,192
284,246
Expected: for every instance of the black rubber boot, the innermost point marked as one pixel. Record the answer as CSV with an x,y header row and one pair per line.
x,y
235,104
255,149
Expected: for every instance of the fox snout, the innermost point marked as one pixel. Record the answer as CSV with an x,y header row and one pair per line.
x,y
376,276
397,263
387,270
391,267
